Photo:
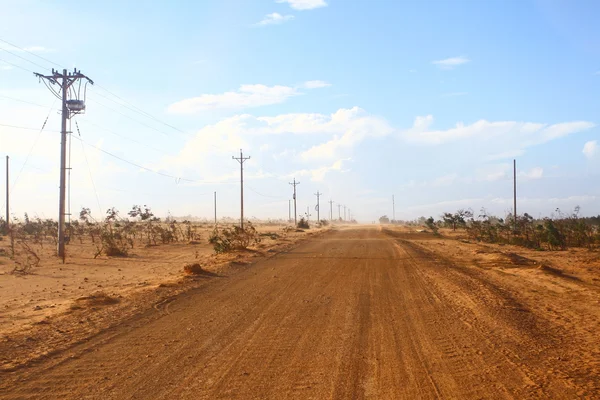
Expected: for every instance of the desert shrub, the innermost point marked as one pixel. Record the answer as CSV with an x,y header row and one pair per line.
x,y
303,224
22,250
324,222
114,244
270,235
430,223
234,238
193,269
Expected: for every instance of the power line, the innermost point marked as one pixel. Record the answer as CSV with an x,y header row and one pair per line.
x,y
33,54
178,179
25,101
134,108
266,195
131,118
23,58
88,166
26,128
15,65
125,137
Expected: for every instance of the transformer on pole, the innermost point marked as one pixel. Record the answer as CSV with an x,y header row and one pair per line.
x,y
73,102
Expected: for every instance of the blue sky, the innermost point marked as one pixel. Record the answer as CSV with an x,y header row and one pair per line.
x,y
426,100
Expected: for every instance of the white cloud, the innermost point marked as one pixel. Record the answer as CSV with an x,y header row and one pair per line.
x,y
275,19
351,126
246,96
318,174
590,149
304,4
454,94
316,84
38,49
532,174
597,73
446,180
205,154
264,147
450,63
518,134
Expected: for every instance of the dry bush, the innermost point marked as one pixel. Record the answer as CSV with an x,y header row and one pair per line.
x,y
234,238
98,299
303,224
193,269
22,252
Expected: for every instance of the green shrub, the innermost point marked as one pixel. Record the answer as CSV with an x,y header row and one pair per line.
x,y
225,240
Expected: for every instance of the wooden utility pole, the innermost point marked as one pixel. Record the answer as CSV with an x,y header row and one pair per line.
x,y
7,197
515,194
241,160
331,210
318,211
69,108
295,210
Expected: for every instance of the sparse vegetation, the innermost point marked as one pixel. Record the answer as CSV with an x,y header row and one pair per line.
x,y
228,239
303,224
558,232
193,269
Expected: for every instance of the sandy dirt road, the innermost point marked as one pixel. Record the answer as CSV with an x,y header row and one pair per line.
x,y
354,314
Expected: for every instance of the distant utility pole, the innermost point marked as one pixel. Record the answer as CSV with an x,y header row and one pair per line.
x,y
331,210
318,211
350,215
515,193
215,208
7,197
70,106
295,210
393,209
241,160
344,213
339,213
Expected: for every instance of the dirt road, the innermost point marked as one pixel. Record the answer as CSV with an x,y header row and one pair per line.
x,y
354,314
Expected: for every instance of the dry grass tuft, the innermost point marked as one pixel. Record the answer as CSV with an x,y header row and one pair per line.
x,y
193,269
98,299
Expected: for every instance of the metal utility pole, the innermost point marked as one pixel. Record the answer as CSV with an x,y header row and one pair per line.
x,y
7,197
331,210
295,211
241,160
515,193
339,213
70,106
215,208
393,209
318,211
